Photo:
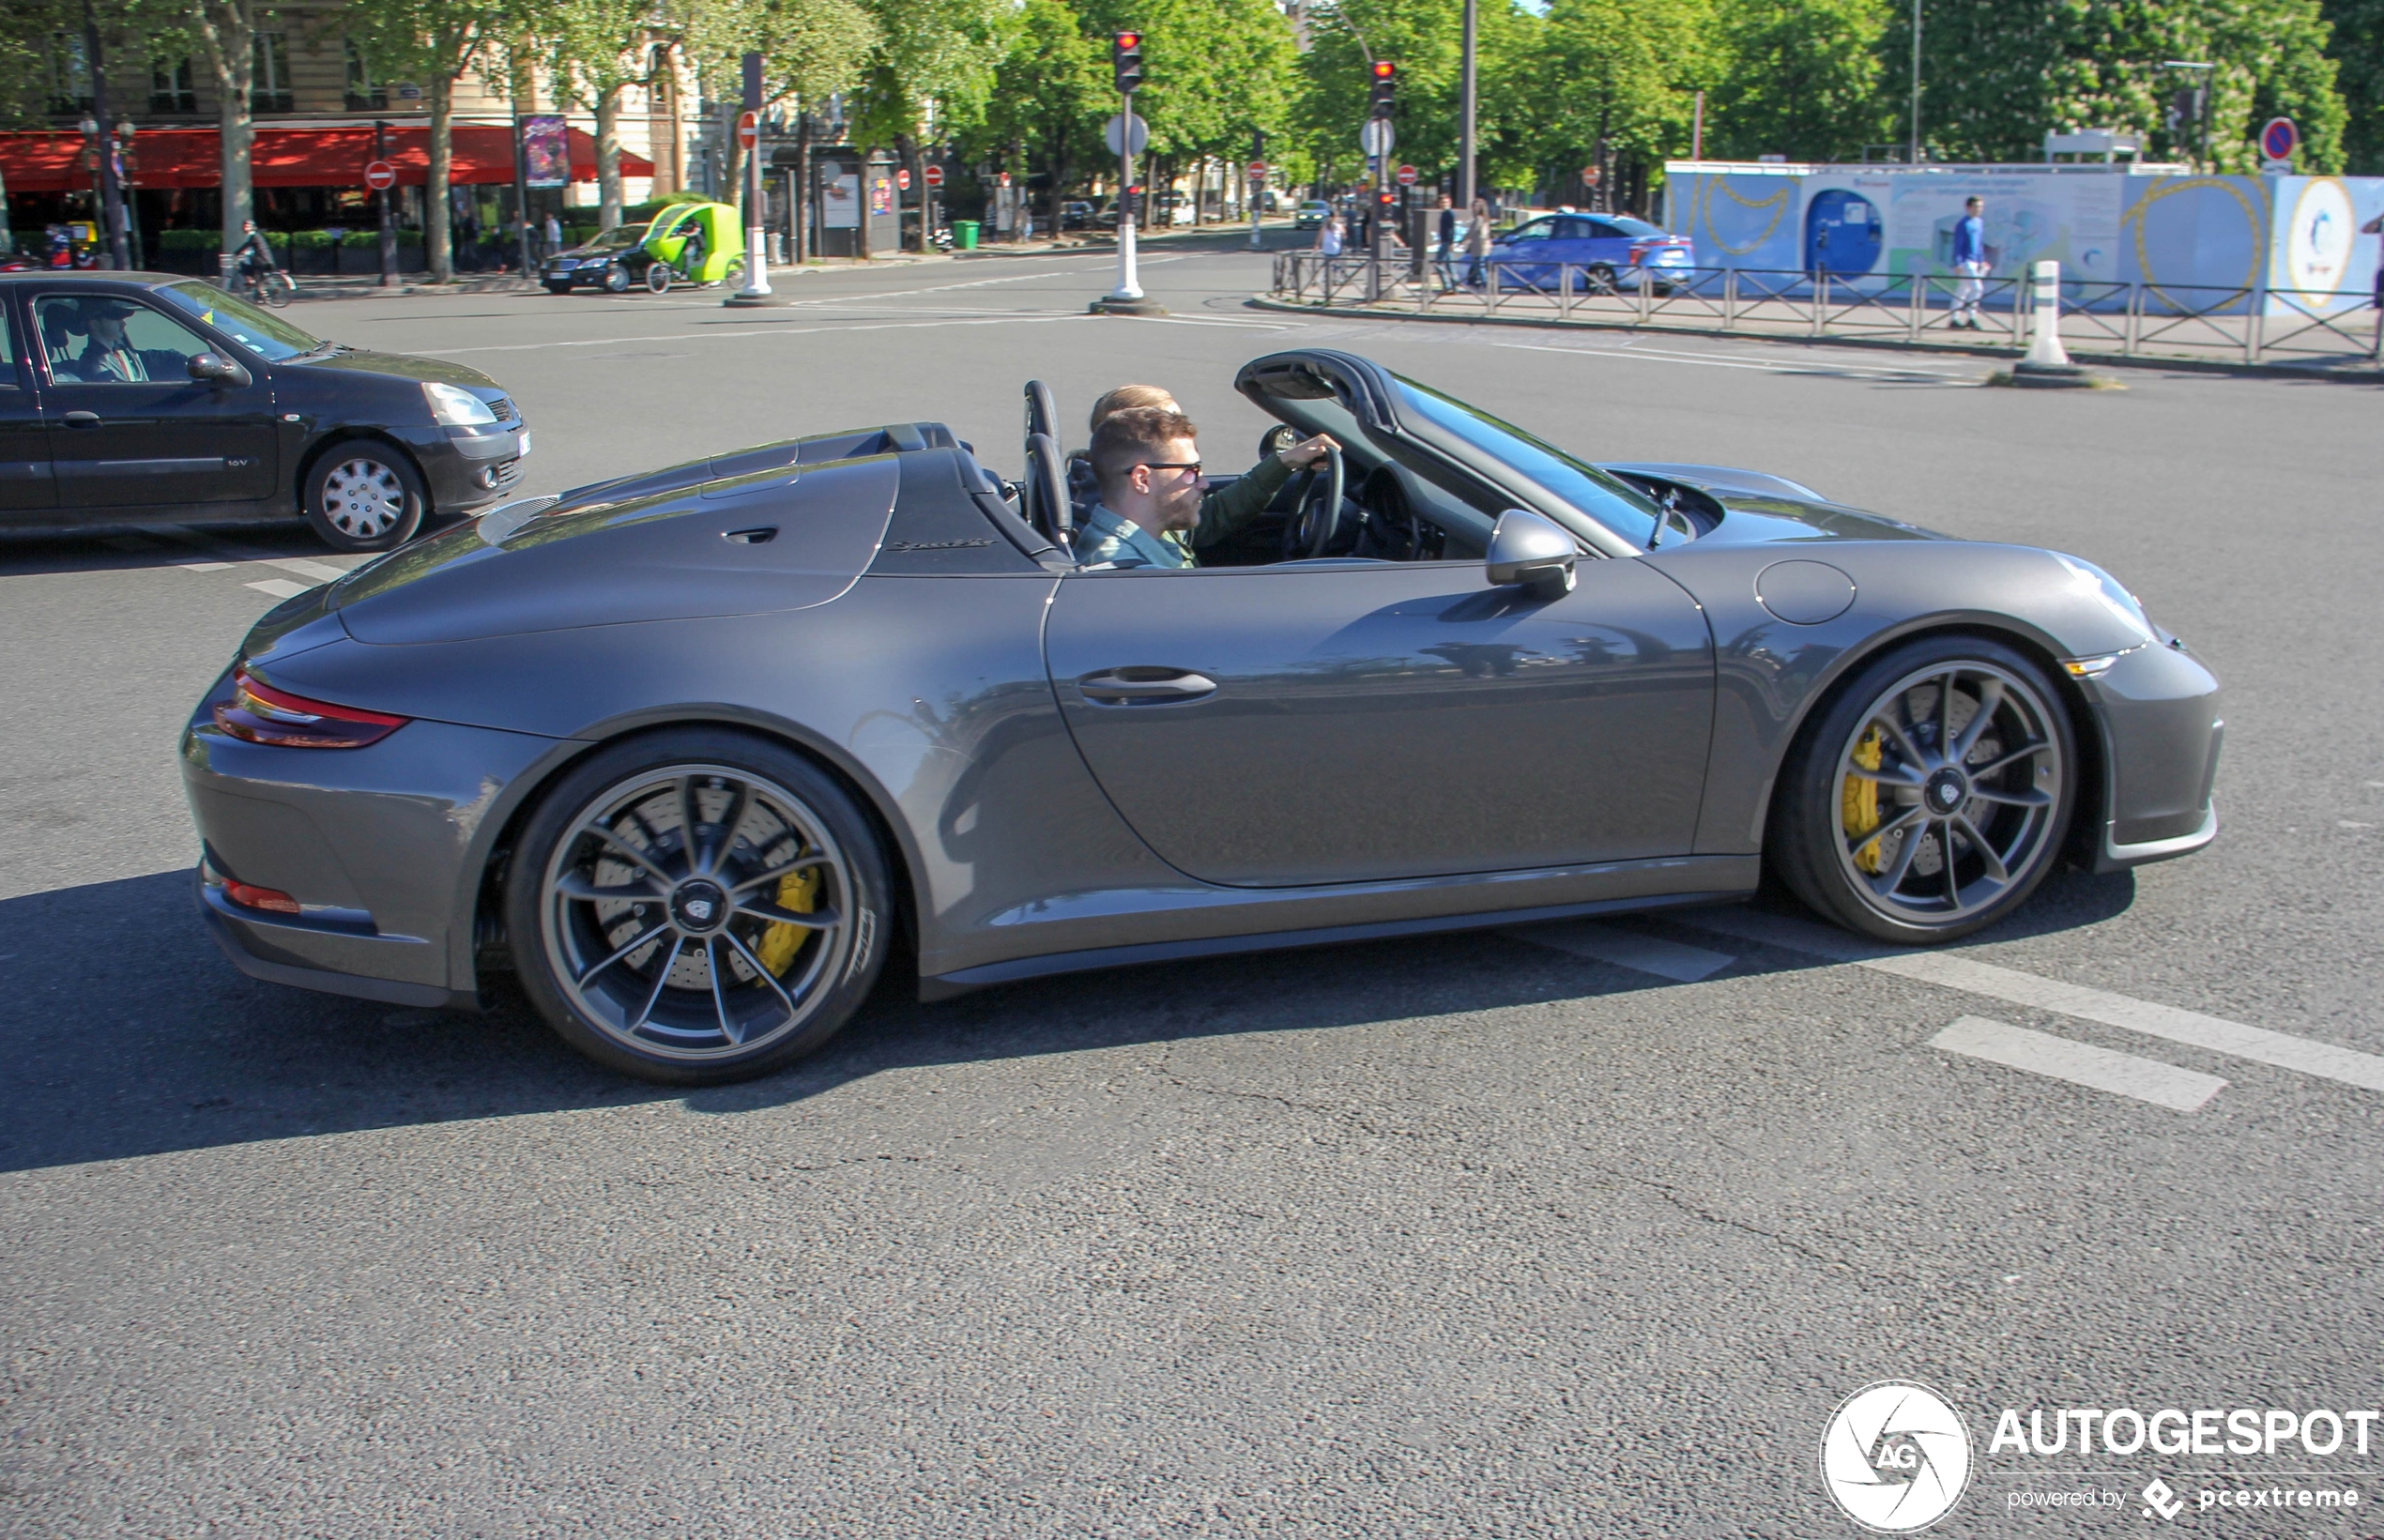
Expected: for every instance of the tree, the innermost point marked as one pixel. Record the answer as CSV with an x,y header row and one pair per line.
x,y
2358,50
227,36
1996,77
1616,83
1800,78
432,42
809,49
931,72
1051,93
595,50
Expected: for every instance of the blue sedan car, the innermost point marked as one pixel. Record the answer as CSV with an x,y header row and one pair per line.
x,y
1606,251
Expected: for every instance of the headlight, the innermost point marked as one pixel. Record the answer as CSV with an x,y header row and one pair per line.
x,y
2114,596
455,407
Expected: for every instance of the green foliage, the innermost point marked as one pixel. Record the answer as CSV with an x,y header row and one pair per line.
x,y
1620,73
1800,78
1052,91
2358,47
933,69
809,48
1996,77
189,240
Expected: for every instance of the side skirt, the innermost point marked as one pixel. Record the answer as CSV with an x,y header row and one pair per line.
x,y
968,980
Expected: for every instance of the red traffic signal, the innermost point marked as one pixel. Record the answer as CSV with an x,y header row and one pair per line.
x,y
1385,69
1386,94
1125,58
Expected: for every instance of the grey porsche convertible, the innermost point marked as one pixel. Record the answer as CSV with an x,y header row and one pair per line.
x,y
695,755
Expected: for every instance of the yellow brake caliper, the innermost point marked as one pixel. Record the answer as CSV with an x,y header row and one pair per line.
x,y
800,892
1858,803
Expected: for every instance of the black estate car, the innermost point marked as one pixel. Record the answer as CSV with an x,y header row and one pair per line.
x,y
144,398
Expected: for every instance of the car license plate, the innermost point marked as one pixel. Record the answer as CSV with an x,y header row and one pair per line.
x,y
523,447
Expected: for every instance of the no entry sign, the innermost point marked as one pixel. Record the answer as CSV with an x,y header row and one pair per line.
x,y
902,178
380,175
1406,175
748,129
1258,169
934,175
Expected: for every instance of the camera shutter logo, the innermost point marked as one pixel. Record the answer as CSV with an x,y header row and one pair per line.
x,y
1895,1457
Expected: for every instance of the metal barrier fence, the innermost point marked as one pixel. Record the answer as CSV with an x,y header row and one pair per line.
x,y
2130,320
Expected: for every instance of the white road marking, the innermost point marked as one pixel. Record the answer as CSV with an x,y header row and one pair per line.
x,y
280,587
205,565
756,331
1949,970
2080,1063
1627,948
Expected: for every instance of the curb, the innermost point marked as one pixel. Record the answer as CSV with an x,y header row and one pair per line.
x,y
2363,373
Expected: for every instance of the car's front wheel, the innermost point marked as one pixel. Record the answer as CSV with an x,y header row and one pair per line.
x,y
1932,796
616,279
363,496
698,907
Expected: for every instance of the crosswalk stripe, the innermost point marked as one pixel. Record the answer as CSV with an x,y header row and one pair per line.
x,y
2080,1063
1627,948
1951,971
280,587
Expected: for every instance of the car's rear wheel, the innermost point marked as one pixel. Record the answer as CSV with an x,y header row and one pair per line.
x,y
1599,278
1932,796
698,907
363,496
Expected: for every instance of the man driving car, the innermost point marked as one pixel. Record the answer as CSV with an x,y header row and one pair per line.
x,y
1147,463
109,355
1223,510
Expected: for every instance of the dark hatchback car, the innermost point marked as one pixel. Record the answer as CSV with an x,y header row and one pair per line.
x,y
148,399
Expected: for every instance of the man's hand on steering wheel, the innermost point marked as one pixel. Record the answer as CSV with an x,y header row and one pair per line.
x,y
1307,452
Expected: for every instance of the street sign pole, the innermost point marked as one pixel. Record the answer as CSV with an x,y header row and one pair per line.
x,y
756,289
1129,288
381,168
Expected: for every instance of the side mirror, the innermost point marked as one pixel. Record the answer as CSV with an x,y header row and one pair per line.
x,y
1529,552
215,369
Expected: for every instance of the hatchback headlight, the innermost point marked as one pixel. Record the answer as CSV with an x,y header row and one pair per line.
x,y
457,407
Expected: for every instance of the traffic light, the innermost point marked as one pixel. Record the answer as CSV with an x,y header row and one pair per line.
x,y
1385,89
1126,58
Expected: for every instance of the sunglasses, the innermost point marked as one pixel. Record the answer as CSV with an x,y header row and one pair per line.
x,y
1192,465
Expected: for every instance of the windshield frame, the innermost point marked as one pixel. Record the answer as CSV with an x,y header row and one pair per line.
x,y
1534,487
235,317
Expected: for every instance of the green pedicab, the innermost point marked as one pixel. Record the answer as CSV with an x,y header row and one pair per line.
x,y
694,243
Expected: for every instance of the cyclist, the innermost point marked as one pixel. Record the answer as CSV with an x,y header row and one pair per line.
x,y
254,255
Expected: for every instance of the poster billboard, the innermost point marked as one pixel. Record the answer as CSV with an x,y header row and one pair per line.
x,y
546,149
841,202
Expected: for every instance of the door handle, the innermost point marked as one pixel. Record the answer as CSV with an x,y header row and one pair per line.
x,y
1145,686
81,420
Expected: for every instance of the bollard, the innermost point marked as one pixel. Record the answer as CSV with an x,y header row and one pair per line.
x,y
2045,348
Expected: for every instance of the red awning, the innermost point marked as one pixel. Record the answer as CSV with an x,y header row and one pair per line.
x,y
161,158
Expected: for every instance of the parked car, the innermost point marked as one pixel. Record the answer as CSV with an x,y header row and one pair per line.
x,y
1077,214
149,399
694,754
1601,252
1171,207
1313,212
657,253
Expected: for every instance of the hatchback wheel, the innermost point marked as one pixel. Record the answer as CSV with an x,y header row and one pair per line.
x,y
616,279
1932,796
698,907
363,496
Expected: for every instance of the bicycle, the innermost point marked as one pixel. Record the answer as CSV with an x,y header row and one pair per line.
x,y
272,287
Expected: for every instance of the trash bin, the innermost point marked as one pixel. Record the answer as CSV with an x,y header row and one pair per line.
x,y
964,234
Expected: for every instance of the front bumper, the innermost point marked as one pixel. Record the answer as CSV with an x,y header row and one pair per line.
x,y
2158,712
383,848
468,468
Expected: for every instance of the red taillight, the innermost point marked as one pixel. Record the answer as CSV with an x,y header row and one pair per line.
x,y
248,895
262,714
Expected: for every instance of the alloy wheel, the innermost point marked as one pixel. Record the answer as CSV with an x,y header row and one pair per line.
x,y
1948,788
364,498
697,911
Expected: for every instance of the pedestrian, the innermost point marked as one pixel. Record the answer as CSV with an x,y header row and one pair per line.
x,y
2374,227
1969,263
1477,242
1446,243
1329,235
554,235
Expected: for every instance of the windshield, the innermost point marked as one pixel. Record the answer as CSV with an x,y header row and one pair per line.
x,y
618,236
267,336
1593,491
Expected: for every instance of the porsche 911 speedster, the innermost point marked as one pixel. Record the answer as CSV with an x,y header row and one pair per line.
x,y
694,754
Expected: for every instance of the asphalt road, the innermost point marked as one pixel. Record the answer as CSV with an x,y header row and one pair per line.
x,y
1585,1231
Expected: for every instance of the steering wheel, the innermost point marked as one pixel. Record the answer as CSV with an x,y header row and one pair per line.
x,y
1047,499
1317,514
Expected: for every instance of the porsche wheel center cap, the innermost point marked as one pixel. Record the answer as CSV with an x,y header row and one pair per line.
x,y
699,905
1947,791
